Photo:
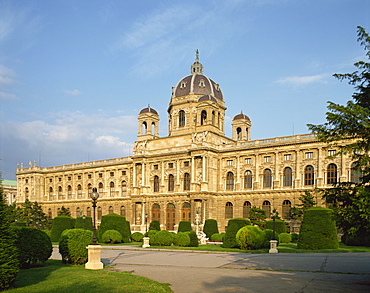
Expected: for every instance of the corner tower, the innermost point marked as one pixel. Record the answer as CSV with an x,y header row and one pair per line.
x,y
196,104
148,124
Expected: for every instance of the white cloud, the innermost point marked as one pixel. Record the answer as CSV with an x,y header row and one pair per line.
x,y
6,76
74,92
302,80
7,97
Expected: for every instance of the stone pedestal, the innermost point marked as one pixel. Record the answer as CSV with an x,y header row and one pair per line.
x,y
146,242
273,245
93,259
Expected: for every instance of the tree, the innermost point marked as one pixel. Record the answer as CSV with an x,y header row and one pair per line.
x,y
307,201
351,123
257,216
64,212
32,214
9,263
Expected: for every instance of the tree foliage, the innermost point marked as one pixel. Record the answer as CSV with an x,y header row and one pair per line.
x,y
351,122
64,212
257,216
307,201
32,215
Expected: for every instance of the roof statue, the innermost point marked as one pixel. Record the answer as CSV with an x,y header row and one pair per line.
x,y
196,55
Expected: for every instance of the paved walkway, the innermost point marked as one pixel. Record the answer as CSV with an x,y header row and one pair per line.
x,y
189,272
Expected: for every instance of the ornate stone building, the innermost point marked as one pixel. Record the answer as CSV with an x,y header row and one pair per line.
x,y
195,168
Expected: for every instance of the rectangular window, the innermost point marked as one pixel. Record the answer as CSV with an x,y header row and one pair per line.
x,y
248,160
332,152
287,157
230,162
170,165
309,155
123,173
155,167
79,177
60,179
267,159
89,176
69,178
186,164
111,174
100,175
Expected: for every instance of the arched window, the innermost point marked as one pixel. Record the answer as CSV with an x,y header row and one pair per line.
x,y
100,213
248,179
156,212
50,214
213,117
110,210
266,206
88,212
171,182
170,215
286,209
181,118
185,212
153,128
111,189
69,191
78,212
309,175
267,178
229,210
144,128
60,192
230,181
123,211
238,133
79,191
124,188
26,192
246,209
156,184
203,117
287,177
331,174
186,181
356,173
100,189
89,190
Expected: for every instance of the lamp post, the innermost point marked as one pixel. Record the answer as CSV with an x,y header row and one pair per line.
x,y
146,238
146,223
273,241
94,196
94,262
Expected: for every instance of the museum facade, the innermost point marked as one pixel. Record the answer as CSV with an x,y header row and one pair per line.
x,y
194,169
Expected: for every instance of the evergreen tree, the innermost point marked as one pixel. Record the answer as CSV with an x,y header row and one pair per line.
x,y
9,263
257,216
32,214
351,123
64,212
307,201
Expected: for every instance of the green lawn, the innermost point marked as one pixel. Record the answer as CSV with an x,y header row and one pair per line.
x,y
56,277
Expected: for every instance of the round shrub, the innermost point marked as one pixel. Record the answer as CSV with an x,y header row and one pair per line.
x,y
112,236
72,245
295,237
210,227
193,239
155,225
280,226
250,237
137,236
115,222
181,239
318,230
269,235
84,222
217,236
285,238
60,224
162,238
151,234
34,246
184,226
233,227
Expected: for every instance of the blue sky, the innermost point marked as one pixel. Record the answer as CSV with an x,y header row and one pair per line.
x,y
75,74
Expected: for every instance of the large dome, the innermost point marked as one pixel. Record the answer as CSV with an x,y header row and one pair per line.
x,y
197,84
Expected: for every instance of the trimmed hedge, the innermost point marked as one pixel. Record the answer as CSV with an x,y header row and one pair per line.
x,y
162,238
295,237
137,236
72,245
280,226
193,239
361,238
112,236
270,236
250,237
60,224
82,223
285,238
318,230
155,225
115,222
181,239
210,227
233,227
34,246
184,226
217,237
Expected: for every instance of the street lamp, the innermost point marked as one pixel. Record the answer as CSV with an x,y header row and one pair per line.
x,y
146,223
94,196
273,241
273,224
